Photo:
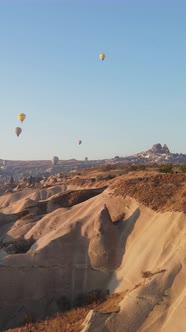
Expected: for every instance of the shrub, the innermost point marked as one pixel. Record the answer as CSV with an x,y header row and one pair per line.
x,y
94,296
99,177
183,168
166,169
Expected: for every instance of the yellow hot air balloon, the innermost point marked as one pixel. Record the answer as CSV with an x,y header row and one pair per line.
x,y
17,131
21,117
102,56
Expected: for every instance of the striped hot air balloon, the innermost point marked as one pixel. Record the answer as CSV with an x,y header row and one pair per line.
x,y
21,117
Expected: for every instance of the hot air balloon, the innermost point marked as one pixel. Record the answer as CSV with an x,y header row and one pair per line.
x,y
4,167
17,131
21,117
55,160
102,56
80,141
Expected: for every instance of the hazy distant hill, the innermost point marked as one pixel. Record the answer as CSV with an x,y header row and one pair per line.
x,y
18,169
157,154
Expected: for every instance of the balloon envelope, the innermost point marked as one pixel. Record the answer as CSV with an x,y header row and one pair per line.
x,y
102,56
55,160
80,141
17,131
21,117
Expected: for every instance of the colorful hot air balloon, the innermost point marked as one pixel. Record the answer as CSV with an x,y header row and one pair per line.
x,y
17,131
102,56
21,117
55,160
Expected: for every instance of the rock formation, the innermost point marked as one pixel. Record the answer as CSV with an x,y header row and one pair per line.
x,y
158,148
104,245
58,243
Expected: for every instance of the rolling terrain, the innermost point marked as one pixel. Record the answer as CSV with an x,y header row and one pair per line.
x,y
115,235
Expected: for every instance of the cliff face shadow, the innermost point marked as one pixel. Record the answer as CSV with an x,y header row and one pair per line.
x,y
125,228
62,271
60,277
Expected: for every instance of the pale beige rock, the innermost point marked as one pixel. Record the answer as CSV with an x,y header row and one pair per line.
x,y
103,249
146,255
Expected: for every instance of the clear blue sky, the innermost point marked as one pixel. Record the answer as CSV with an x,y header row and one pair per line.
x,y
50,70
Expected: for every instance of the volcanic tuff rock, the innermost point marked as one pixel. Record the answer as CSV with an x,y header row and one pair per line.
x,y
157,148
103,239
104,245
